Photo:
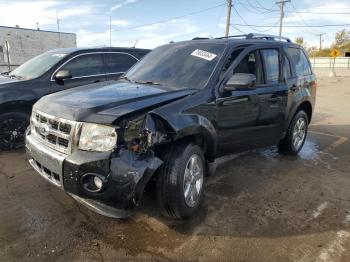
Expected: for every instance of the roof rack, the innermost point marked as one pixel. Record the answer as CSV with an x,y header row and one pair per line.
x,y
267,37
251,36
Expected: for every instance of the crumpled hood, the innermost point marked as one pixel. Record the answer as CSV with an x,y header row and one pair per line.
x,y
105,102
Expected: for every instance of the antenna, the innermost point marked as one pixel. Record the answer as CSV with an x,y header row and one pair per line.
x,y
135,43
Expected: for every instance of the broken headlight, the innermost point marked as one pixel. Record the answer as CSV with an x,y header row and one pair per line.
x,y
94,137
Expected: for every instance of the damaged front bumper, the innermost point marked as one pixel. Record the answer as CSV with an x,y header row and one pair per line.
x,y
122,176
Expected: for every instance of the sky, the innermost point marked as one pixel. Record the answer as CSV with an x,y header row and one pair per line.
x,y
150,23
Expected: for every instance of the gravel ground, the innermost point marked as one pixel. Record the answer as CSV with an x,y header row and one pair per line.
x,y
260,206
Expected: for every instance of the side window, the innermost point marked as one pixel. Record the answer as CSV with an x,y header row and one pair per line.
x,y
299,61
271,65
85,65
286,68
230,60
250,64
117,62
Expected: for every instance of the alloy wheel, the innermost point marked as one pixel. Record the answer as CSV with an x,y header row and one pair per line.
x,y
12,132
193,180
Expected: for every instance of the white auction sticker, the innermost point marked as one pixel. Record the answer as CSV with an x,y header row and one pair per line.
x,y
203,54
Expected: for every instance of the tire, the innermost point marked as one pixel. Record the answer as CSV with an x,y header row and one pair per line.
x,y
13,127
175,180
296,135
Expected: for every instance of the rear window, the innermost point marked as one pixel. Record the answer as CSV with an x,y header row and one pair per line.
x,y
299,62
119,62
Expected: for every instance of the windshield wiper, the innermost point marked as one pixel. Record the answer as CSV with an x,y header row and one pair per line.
x,y
5,74
148,83
124,78
15,76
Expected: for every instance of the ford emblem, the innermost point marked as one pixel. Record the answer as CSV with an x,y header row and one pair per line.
x,y
44,129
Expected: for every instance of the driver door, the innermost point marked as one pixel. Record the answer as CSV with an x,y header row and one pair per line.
x,y
251,118
84,68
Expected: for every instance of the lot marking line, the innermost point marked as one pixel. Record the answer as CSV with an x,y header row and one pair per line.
x,y
337,143
319,209
347,218
334,250
326,134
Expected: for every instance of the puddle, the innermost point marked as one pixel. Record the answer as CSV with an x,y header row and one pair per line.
x,y
270,153
309,151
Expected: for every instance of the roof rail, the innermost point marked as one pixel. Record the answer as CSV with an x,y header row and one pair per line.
x,y
267,37
250,36
230,36
200,38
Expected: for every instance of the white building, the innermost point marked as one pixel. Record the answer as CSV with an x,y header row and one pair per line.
x,y
24,44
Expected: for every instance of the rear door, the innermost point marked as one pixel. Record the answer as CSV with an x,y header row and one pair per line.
x,y
117,63
301,82
85,69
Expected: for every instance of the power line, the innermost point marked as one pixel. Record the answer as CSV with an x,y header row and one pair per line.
x,y
293,26
263,7
239,30
245,22
260,7
300,17
256,8
160,21
321,13
298,24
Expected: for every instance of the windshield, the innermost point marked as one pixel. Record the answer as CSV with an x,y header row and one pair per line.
x,y
178,66
37,66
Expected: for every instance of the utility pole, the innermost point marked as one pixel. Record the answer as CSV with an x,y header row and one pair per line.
x,y
320,35
281,4
228,18
110,31
58,28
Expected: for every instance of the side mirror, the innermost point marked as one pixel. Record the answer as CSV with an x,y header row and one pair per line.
x,y
240,81
62,75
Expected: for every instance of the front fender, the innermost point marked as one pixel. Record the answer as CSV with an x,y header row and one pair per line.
x,y
10,98
184,125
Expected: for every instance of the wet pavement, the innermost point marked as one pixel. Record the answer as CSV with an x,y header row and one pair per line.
x,y
259,206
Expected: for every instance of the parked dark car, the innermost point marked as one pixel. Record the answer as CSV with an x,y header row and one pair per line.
x,y
169,118
54,71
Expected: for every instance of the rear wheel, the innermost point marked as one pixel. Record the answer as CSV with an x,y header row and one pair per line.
x,y
180,184
296,134
13,126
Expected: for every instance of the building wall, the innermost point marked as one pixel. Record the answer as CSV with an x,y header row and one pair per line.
x,y
28,43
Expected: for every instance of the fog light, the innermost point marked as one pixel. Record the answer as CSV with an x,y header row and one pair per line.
x,y
93,183
98,182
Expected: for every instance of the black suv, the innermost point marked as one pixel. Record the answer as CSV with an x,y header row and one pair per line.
x,y
54,71
177,110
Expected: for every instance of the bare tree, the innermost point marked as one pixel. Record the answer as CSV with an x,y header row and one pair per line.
x,y
341,37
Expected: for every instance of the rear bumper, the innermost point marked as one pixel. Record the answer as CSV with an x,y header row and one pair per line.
x,y
124,175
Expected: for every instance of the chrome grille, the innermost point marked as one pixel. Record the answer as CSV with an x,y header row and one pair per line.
x,y
54,132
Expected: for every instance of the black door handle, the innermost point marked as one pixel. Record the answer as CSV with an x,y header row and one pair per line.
x,y
294,88
97,81
274,99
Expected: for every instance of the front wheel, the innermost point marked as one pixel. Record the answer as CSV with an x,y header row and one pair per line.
x,y
296,134
13,126
180,184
